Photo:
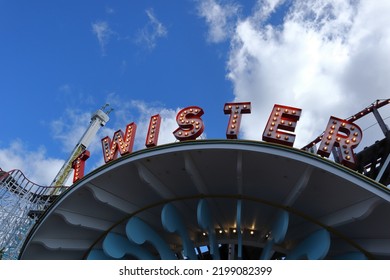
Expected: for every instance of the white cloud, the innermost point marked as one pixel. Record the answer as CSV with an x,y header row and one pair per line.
x,y
35,164
65,89
127,111
265,8
151,32
328,57
110,10
168,123
69,128
220,19
103,33
67,131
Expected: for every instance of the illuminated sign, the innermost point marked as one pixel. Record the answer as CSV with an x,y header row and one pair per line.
x,y
282,122
235,110
190,124
153,131
340,135
79,165
282,119
122,143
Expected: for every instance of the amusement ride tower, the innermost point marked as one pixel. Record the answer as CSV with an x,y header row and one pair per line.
x,y
22,202
98,119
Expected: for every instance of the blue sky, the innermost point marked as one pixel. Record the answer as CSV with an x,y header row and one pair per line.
x,y
62,60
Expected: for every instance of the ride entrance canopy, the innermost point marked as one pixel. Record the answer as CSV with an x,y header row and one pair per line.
x,y
217,199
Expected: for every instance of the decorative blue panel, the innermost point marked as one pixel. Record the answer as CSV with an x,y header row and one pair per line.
x,y
173,222
97,254
206,222
351,256
140,232
314,247
117,246
277,234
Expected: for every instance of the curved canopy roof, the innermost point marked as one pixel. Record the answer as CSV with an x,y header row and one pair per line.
x,y
268,200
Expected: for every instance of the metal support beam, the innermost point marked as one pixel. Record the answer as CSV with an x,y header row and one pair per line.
x,y
299,187
350,214
381,122
194,174
383,169
149,178
240,181
196,177
239,229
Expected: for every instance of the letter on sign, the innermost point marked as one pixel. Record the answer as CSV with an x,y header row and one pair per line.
x,y
343,134
123,143
190,124
153,131
282,118
79,165
235,110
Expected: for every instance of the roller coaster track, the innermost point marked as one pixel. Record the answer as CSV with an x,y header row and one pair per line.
x,y
21,202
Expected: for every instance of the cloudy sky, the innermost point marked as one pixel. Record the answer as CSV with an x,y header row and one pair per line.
x,y
63,60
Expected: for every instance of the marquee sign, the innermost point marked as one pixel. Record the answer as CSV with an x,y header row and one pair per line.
x,y
340,133
282,119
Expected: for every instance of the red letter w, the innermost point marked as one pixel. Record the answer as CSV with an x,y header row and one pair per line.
x,y
123,143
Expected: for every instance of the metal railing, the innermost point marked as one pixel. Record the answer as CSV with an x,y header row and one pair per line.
x,y
21,203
